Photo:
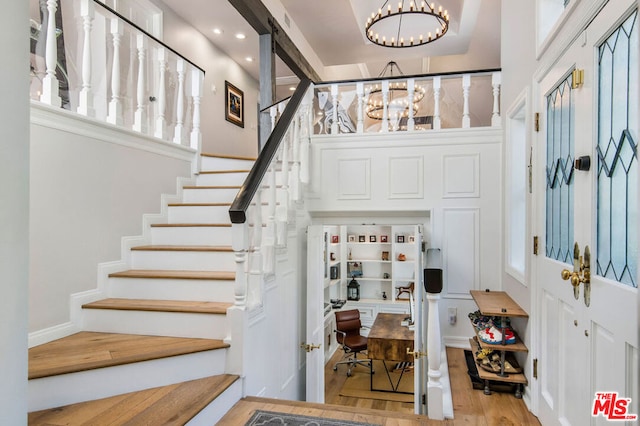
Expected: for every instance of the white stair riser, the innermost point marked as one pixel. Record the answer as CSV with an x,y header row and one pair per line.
x,y
209,195
213,412
221,179
216,164
55,391
171,289
199,214
183,260
207,236
174,324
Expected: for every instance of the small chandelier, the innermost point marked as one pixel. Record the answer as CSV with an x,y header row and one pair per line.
x,y
398,28
397,97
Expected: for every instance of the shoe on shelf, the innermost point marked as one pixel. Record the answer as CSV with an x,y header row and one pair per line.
x,y
493,335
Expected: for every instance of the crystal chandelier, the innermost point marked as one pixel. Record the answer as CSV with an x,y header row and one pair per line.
x,y
397,97
398,28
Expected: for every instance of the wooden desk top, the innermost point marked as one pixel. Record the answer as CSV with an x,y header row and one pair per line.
x,y
389,340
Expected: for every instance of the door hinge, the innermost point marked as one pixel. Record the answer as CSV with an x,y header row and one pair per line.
x,y
535,368
535,245
536,121
424,399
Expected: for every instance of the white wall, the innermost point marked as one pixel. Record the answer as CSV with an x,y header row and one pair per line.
x,y
456,174
87,192
14,225
218,135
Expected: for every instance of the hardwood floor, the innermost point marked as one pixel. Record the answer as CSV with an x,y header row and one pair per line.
x,y
470,406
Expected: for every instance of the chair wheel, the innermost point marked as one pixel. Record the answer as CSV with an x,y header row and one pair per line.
x,y
335,368
373,372
349,373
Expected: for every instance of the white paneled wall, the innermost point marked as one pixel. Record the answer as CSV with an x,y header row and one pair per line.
x,y
456,174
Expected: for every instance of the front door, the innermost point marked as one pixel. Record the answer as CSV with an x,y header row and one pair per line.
x,y
587,333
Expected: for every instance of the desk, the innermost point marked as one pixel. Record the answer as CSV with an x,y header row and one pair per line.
x,y
388,340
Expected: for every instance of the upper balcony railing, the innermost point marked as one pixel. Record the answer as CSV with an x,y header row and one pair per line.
x,y
442,101
93,61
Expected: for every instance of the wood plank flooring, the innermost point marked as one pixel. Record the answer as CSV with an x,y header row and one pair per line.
x,y
471,406
88,350
167,405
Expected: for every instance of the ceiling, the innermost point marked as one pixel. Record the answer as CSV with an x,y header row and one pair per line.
x,y
334,29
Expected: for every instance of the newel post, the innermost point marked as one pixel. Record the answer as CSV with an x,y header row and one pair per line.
x,y
85,102
50,85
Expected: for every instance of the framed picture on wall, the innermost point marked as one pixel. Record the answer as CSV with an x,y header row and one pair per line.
x,y
234,104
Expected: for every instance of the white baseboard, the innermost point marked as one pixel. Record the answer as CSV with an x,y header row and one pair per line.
x,y
47,335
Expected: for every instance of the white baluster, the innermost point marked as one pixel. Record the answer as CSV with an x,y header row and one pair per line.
x,y
140,116
178,135
85,101
284,175
496,81
434,349
385,109
255,262
269,260
466,85
436,103
162,94
240,245
305,135
50,85
273,113
411,87
295,158
360,94
334,100
196,92
115,115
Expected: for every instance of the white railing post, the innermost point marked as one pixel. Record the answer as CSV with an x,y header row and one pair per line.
x,y
162,94
50,85
334,100
496,81
434,348
115,115
411,86
85,101
360,94
466,85
273,113
385,109
179,129
196,93
436,103
140,116
295,159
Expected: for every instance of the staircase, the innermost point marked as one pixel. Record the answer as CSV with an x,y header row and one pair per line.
x,y
155,351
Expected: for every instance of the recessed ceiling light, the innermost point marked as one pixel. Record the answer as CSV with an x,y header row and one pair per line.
x,y
248,59
217,31
240,36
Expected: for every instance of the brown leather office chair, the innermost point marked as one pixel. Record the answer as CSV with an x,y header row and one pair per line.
x,y
348,327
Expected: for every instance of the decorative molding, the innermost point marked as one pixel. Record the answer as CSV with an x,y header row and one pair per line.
x,y
354,175
461,250
406,177
461,176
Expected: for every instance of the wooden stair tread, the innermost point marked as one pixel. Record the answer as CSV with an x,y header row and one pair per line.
x,y
195,307
183,248
171,274
212,187
231,157
171,404
220,172
187,225
90,350
199,204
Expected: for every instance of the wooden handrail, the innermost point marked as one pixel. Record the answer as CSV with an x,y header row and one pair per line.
x,y
238,209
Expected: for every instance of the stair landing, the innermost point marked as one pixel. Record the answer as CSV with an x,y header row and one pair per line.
x,y
172,404
90,350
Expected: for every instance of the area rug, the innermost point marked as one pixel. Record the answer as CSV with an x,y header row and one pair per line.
x,y
261,418
359,386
